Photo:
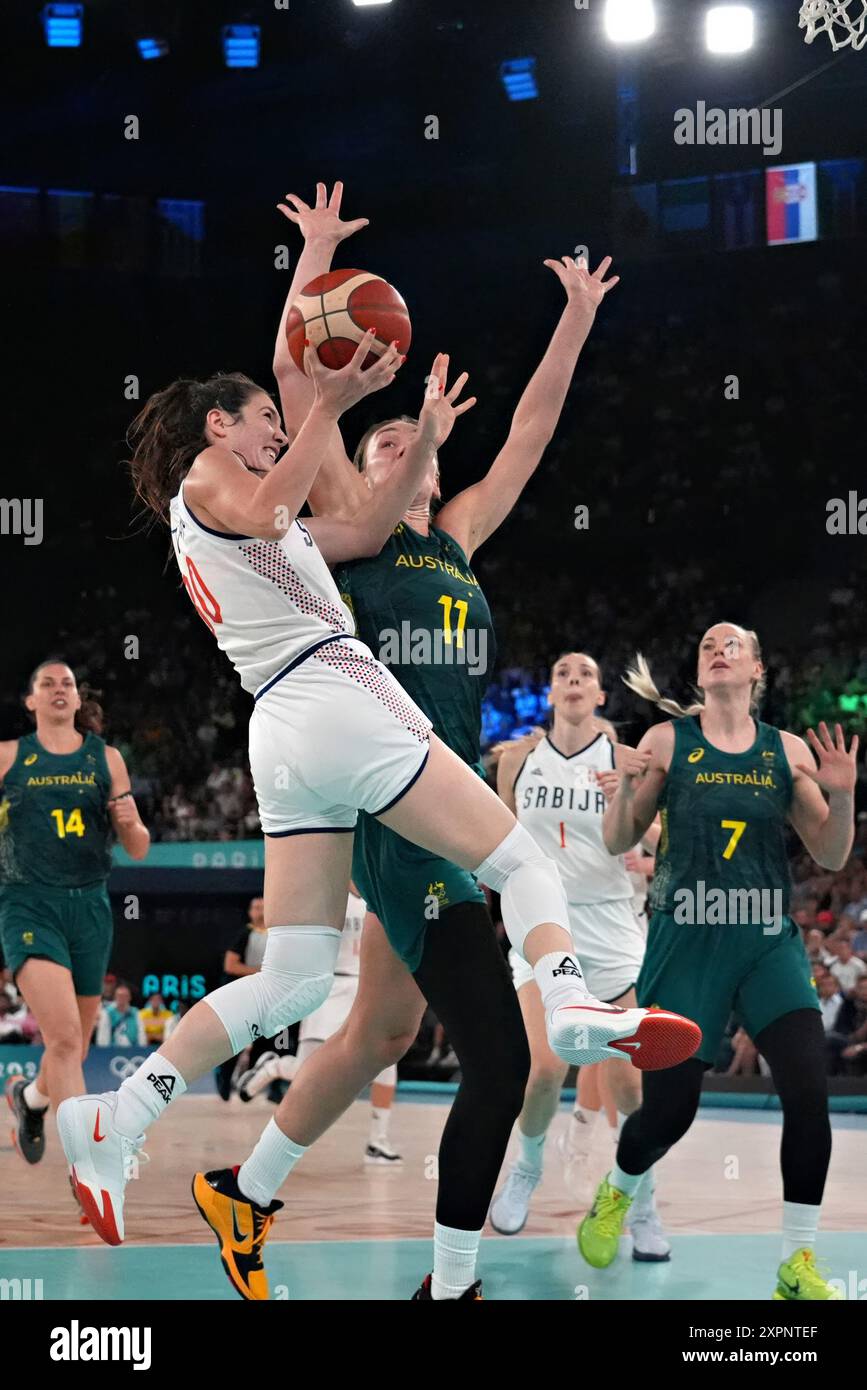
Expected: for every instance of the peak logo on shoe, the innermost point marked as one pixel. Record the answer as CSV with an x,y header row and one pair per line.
x,y
163,1085
97,1137
567,966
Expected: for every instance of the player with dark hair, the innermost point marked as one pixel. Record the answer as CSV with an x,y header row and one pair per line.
x,y
429,935
331,733
64,793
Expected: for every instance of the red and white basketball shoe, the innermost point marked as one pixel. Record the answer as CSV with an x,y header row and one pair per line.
x,y
101,1160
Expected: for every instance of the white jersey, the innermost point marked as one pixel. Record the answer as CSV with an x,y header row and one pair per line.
x,y
350,938
561,804
266,602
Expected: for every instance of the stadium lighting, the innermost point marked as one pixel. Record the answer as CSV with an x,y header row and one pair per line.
x,y
241,45
359,4
519,79
629,21
63,25
729,29
152,48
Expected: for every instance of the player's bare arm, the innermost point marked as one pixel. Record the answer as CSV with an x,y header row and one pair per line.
x,y
827,828
475,513
226,491
128,825
338,489
630,813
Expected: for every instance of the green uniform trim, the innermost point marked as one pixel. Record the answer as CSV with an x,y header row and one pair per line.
x,y
422,612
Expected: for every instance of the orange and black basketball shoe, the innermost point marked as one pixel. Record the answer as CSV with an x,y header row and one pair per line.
x,y
473,1293
241,1228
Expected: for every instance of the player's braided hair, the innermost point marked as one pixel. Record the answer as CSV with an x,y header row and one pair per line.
x,y
639,679
169,431
90,718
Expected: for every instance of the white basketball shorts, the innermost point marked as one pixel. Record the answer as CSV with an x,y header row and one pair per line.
x,y
324,1022
609,944
333,735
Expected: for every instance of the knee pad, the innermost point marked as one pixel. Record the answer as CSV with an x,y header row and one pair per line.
x,y
296,977
529,884
387,1077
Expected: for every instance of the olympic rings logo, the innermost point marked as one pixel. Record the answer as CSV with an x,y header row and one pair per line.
x,y
124,1066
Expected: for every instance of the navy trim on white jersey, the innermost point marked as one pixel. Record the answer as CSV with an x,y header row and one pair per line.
x,y
221,535
567,757
337,637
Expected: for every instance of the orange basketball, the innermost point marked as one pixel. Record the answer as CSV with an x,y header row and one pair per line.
x,y
336,310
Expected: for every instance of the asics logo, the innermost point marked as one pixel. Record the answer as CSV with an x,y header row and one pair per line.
x,y
98,1138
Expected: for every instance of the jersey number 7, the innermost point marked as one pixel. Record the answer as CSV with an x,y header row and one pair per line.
x,y
737,827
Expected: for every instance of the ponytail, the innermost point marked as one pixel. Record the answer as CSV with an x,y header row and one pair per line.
x,y
639,679
169,431
90,719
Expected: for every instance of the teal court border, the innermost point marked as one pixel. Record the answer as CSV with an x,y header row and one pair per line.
x,y
704,1267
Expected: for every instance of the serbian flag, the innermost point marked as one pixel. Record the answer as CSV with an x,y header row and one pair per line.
x,y
790,203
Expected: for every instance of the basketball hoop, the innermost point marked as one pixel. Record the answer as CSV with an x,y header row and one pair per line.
x,y
832,17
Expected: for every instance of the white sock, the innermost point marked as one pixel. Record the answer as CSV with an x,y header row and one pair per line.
x,y
379,1120
559,978
146,1094
644,1192
800,1224
625,1182
269,1165
531,1155
455,1254
33,1098
582,1127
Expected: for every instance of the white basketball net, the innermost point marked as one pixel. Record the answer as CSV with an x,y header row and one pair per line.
x,y
832,17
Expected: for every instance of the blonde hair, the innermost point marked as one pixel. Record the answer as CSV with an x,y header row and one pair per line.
x,y
639,679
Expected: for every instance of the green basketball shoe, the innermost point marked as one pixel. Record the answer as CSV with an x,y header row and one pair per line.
x,y
602,1227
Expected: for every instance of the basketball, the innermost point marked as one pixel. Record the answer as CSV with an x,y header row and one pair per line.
x,y
336,310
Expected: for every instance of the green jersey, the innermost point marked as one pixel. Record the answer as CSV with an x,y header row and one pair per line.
x,y
54,822
723,817
419,607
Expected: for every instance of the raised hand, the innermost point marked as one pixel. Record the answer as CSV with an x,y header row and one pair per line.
x,y
339,389
837,767
584,290
321,222
440,410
